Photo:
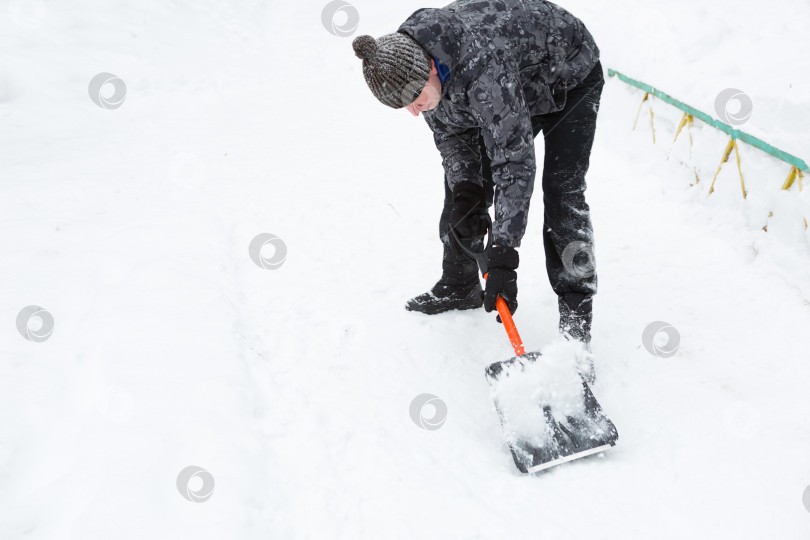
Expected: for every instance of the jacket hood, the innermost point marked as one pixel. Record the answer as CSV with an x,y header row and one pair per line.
x,y
437,30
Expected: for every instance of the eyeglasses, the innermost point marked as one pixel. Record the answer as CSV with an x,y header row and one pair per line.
x,y
406,99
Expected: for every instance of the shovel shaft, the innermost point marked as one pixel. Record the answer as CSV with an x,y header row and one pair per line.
x,y
509,325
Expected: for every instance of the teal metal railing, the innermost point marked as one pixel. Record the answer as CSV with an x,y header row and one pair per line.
x,y
735,134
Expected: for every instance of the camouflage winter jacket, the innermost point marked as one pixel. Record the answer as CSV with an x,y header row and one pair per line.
x,y
508,60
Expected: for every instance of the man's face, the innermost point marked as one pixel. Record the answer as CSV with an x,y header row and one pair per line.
x,y
431,93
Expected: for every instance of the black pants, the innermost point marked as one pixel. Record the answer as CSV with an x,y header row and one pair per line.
x,y
567,229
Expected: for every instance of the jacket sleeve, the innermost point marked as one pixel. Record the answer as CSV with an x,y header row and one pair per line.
x,y
460,149
497,101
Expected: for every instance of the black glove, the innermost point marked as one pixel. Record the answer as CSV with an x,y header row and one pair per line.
x,y
502,278
469,216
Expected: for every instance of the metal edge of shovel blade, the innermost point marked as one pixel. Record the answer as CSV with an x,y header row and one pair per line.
x,y
566,459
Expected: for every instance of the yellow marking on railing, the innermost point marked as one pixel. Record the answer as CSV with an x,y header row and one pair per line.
x,y
645,98
686,120
792,175
646,95
732,145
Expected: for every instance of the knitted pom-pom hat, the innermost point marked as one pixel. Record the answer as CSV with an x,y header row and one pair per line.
x,y
396,67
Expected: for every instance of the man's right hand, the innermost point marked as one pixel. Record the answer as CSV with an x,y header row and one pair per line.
x,y
502,278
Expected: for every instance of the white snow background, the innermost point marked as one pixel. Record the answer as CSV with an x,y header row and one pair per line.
x,y
292,386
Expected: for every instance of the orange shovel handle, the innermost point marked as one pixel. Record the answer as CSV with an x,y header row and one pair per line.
x,y
509,325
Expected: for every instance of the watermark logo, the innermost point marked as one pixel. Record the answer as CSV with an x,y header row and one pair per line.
x,y
578,259
332,22
35,323
99,90
661,339
439,411
27,14
276,259
195,484
730,114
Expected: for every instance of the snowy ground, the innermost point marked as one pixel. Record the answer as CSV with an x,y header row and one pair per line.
x,y
292,386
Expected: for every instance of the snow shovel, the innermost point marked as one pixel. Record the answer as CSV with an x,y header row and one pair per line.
x,y
547,411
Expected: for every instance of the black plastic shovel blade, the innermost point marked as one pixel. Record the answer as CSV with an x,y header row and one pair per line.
x,y
548,414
